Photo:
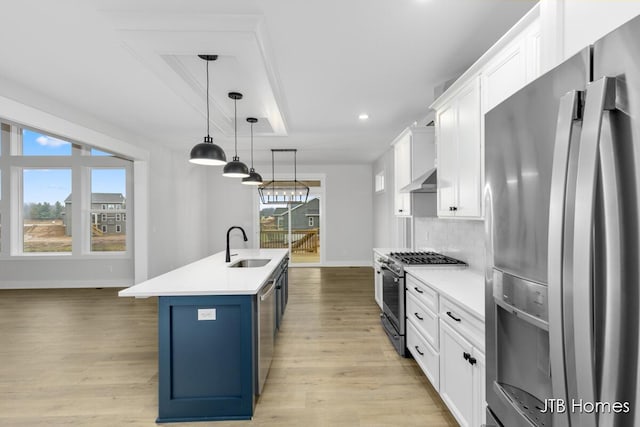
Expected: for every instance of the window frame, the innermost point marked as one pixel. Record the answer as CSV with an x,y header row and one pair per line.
x,y
12,166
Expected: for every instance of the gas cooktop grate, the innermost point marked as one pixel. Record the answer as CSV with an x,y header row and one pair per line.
x,y
424,258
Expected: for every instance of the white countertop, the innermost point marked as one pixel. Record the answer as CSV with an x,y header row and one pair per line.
x,y
463,286
211,276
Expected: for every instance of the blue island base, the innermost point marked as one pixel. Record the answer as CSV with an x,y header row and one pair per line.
x,y
206,358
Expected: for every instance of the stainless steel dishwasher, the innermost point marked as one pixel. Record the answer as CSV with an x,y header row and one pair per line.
x,y
266,307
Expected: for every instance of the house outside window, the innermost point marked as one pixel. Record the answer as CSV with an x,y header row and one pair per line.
x,y
310,221
118,228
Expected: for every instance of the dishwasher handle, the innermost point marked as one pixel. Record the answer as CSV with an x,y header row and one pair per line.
x,y
268,293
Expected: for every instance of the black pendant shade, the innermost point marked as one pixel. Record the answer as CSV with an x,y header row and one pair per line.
x,y
208,153
235,168
254,177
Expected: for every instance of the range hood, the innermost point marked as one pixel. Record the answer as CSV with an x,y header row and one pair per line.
x,y
426,183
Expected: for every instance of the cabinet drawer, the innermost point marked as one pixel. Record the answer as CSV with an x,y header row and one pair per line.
x,y
463,322
423,319
427,296
427,357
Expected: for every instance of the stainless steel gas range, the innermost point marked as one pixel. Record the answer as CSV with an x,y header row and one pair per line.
x,y
393,289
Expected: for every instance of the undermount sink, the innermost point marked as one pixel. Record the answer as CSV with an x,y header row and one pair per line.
x,y
248,263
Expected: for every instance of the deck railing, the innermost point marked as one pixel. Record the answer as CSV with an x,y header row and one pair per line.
x,y
302,241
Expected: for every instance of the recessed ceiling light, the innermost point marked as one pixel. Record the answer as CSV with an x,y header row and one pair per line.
x,y
363,116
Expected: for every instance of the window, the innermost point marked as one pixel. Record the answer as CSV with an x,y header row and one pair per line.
x,y
310,221
39,171
109,185
124,217
45,199
379,182
37,144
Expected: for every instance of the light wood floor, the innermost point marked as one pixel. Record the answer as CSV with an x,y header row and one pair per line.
x,y
84,357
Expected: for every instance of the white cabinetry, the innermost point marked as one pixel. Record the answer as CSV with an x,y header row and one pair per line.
x,y
506,67
402,173
447,342
461,377
459,146
422,328
377,279
512,68
462,367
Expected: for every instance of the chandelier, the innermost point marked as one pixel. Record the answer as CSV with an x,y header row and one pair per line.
x,y
283,191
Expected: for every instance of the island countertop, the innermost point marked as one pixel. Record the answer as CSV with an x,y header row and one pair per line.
x,y
212,276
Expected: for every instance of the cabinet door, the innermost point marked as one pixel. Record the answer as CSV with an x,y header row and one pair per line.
x,y
447,148
402,174
479,390
377,277
504,75
469,152
456,375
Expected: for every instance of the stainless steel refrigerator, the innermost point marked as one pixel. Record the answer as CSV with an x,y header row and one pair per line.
x,y
562,199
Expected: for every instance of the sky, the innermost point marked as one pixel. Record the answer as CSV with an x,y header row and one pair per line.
x,y
51,185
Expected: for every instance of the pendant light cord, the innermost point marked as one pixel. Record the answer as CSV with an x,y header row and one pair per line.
x,y
251,145
208,99
235,123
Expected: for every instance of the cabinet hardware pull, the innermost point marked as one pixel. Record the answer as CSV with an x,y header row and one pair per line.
x,y
418,316
457,319
472,360
466,355
418,290
419,352
378,272
454,208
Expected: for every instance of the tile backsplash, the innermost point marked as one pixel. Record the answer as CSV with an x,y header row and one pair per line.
x,y
457,238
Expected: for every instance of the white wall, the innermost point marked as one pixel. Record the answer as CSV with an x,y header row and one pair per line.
x,y
178,220
383,209
348,211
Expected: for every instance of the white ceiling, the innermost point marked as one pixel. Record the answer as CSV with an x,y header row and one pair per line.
x,y
306,68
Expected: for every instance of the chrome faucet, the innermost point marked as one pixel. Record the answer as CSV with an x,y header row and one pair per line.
x,y
228,256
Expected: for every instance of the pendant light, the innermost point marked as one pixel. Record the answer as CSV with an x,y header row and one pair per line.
x,y
254,177
208,153
235,168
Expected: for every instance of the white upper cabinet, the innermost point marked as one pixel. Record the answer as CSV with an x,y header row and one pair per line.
x,y
414,155
402,174
512,68
505,68
459,146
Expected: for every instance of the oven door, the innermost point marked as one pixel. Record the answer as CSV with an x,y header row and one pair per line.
x,y
393,298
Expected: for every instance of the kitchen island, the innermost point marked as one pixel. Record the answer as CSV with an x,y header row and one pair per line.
x,y
210,360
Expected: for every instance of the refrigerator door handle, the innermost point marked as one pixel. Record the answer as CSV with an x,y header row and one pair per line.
x,y
568,112
600,97
615,319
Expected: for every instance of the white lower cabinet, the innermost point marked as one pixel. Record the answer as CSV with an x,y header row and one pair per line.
x,y
427,357
449,347
461,377
377,278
